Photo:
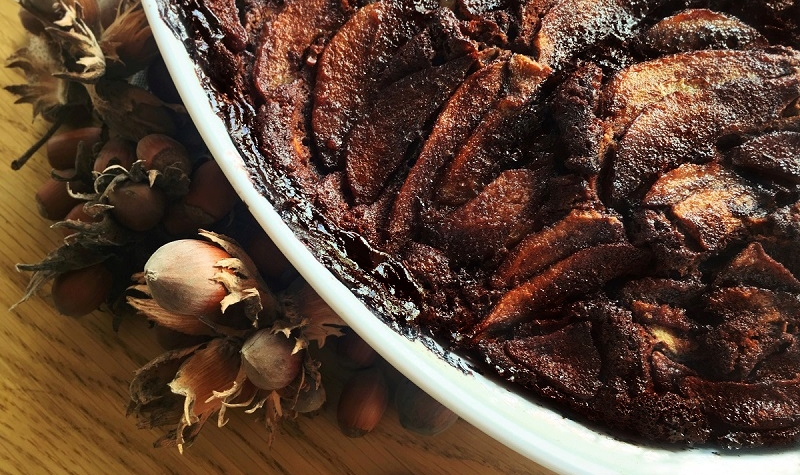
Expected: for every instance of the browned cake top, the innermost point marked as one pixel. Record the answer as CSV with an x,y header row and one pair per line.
x,y
598,198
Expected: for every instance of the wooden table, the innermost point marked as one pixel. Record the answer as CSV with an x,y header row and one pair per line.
x,y
63,381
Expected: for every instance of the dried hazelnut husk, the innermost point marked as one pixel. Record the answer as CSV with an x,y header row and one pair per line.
x,y
62,52
269,359
419,412
90,12
78,213
47,12
83,61
152,401
31,22
128,43
192,383
307,399
180,323
109,10
318,321
362,403
47,94
79,181
132,112
79,292
170,339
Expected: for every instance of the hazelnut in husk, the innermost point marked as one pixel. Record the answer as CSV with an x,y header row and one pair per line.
x,y
181,277
116,151
159,151
209,199
78,213
305,395
269,360
128,42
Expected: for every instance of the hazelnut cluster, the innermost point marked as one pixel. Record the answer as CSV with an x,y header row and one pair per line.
x,y
132,191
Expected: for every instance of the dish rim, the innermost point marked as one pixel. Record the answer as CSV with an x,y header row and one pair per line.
x,y
533,430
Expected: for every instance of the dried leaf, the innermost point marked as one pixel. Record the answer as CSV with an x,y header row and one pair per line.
x,y
132,112
84,61
128,43
45,92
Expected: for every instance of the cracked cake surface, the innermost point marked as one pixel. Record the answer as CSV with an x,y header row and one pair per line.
x,y
599,199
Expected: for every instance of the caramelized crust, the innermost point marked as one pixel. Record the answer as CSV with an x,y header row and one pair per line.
x,y
285,38
349,70
492,143
458,118
698,29
379,141
598,199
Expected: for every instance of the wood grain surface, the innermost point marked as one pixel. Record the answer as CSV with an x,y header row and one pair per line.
x,y
63,381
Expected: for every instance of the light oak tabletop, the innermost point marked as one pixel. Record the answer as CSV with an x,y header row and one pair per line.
x,y
64,381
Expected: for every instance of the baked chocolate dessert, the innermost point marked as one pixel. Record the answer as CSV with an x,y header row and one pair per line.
x,y
599,199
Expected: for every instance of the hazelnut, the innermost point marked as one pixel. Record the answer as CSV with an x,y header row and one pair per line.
x,y
355,352
419,412
137,206
78,292
268,360
53,199
362,403
62,148
159,151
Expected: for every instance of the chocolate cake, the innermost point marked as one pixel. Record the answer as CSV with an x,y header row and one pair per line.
x,y
599,200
